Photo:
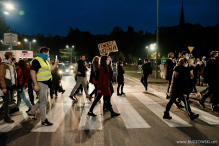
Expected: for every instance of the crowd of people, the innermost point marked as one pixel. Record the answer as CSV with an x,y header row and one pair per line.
x,y
183,74
37,76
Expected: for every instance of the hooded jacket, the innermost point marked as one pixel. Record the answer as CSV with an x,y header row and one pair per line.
x,y
7,72
180,81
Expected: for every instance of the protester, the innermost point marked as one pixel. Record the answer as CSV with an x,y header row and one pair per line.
x,y
139,65
147,69
210,74
42,78
94,75
8,81
103,87
79,91
194,72
30,88
56,79
23,76
169,65
120,78
200,71
179,88
107,99
81,72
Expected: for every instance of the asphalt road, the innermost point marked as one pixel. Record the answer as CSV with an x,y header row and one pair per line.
x,y
140,123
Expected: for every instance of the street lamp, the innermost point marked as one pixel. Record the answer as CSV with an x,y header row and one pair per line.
x,y
9,6
148,51
71,52
156,73
26,40
19,43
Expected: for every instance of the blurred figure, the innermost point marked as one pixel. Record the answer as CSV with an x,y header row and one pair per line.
x,y
8,81
169,65
179,88
147,69
139,65
94,75
120,78
23,76
30,88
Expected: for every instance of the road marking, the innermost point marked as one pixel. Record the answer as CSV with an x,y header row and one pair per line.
x,y
158,110
17,117
130,116
88,122
55,116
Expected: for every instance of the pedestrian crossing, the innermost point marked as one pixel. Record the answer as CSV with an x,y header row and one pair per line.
x,y
130,116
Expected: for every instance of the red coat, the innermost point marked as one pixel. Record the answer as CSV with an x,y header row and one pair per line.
x,y
103,83
22,80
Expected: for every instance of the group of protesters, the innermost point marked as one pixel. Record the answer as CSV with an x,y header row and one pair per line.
x,y
37,75
183,74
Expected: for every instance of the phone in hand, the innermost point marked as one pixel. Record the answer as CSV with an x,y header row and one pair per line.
x,y
56,57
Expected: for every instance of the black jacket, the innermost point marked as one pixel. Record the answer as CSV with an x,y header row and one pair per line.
x,y
146,68
139,62
180,82
210,71
120,76
81,68
94,72
55,78
169,65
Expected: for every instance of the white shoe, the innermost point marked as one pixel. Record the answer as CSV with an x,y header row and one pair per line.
x,y
197,94
145,91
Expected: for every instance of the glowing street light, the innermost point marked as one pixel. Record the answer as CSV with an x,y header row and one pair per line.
x,y
34,40
71,52
9,6
6,13
153,46
26,40
66,46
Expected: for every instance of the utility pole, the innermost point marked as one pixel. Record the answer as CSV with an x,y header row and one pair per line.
x,y
156,73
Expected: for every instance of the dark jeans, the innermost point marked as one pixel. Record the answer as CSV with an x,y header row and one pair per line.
x,y
194,87
144,80
169,85
30,93
211,90
185,100
94,91
122,85
52,92
7,98
107,98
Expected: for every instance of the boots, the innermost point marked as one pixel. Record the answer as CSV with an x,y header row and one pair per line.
x,y
167,115
7,119
115,114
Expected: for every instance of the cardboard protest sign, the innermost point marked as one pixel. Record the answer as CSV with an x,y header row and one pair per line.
x,y
107,47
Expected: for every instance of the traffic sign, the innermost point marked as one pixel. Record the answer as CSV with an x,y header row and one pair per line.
x,y
163,60
191,48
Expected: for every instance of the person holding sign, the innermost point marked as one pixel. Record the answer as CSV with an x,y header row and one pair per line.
x,y
103,87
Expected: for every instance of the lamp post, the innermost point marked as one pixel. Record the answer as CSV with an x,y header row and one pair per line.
x,y
148,51
71,52
19,43
26,40
156,73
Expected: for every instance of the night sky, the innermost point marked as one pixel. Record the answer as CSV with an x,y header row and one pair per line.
x,y
101,16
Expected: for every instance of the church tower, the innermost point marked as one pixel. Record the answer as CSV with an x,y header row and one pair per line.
x,y
182,19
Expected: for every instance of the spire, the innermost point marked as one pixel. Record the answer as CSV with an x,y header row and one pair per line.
x,y
182,20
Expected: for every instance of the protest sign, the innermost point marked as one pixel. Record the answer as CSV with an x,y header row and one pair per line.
x,y
107,47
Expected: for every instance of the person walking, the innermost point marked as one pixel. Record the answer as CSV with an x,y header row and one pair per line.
x,y
42,78
139,65
120,78
169,65
179,88
30,88
23,75
8,82
210,74
94,75
81,72
147,69
103,87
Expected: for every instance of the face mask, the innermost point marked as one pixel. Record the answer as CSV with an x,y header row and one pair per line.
x,y
187,57
186,65
44,56
107,62
145,62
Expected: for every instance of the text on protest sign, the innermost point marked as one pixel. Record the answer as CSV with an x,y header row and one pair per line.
x,y
108,47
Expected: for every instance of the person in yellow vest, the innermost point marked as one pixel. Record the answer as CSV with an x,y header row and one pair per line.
x,y
42,77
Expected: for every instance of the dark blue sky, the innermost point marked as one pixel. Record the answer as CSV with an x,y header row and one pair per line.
x,y
100,16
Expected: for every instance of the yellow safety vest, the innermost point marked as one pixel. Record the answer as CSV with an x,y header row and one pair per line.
x,y
44,73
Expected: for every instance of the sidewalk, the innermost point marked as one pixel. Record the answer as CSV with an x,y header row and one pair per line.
x,y
161,85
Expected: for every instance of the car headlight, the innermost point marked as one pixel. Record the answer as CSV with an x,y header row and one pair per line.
x,y
60,72
67,70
